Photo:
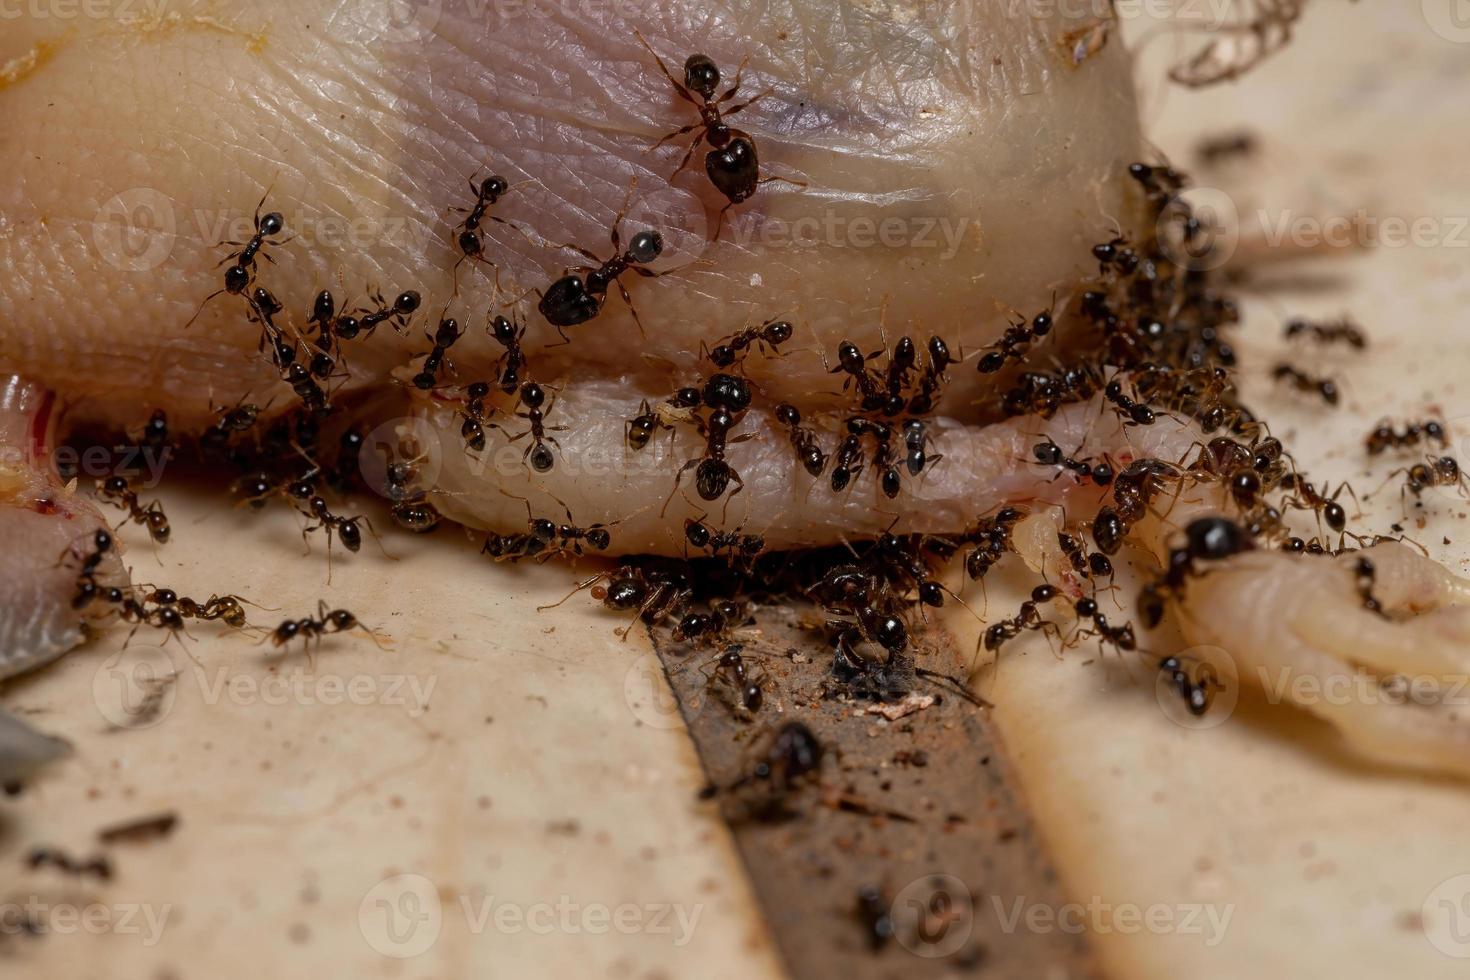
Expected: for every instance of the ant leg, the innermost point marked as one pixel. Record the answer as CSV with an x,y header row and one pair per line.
x,y
688,155
675,134
617,238
729,93
623,291
677,477
201,308
746,104
678,85
739,486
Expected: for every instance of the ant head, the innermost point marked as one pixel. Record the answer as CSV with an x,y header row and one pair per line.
x,y
645,247
777,332
272,224
532,395
493,186
701,75
407,302
599,538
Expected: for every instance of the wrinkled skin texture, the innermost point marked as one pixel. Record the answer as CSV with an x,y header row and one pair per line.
x,y
993,159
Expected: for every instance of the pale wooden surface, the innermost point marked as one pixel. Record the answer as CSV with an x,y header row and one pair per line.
x,y
540,768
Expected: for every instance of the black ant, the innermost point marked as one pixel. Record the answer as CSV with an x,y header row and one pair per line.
x,y
847,462
740,549
1365,574
1207,539
117,490
475,415
730,669
99,866
852,362
885,462
902,362
932,378
732,164
1385,437
1048,453
652,593
87,587
1442,471
712,473
1028,617
415,513
1135,413
901,555
1235,465
792,757
348,464
722,617
1121,637
566,538
155,431
305,387
1326,333
579,295
1213,150
435,361
991,539
229,421
769,335
1015,344
1095,565
640,428
1307,498
309,628
227,608
1196,695
1115,253
803,440
471,246
533,396
404,306
1326,388
509,335
241,272
1161,184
